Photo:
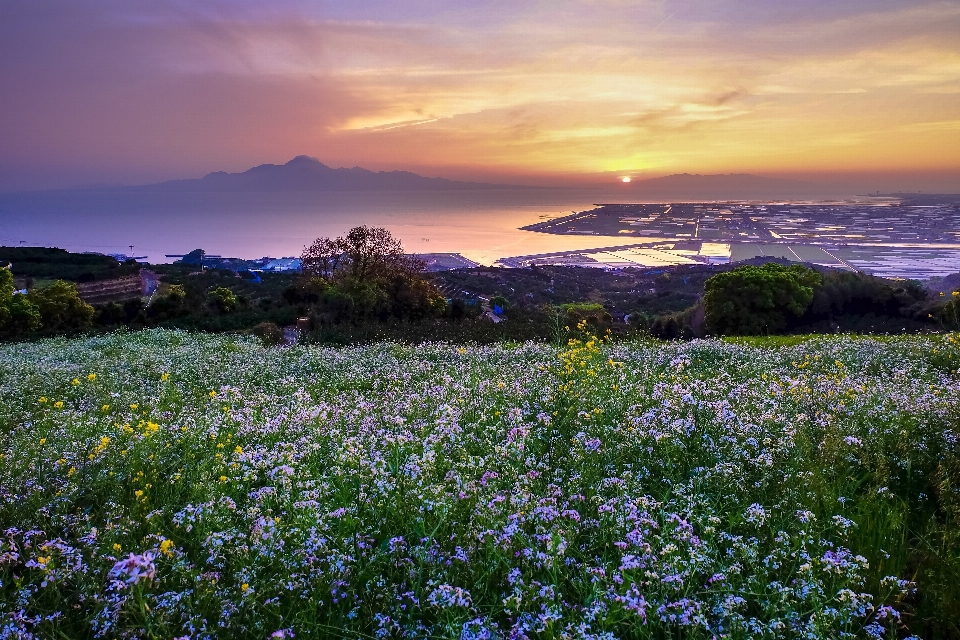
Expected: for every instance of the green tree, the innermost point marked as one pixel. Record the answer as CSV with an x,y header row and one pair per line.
x,y
61,308
949,314
761,300
223,299
366,274
598,319
18,315
176,292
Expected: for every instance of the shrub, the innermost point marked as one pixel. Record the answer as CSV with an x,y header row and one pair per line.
x,y
61,308
949,314
18,315
761,300
844,293
597,318
176,292
270,334
223,299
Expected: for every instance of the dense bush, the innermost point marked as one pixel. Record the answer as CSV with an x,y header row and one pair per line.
x,y
593,314
949,314
18,315
61,308
270,334
45,263
223,299
843,295
771,299
758,300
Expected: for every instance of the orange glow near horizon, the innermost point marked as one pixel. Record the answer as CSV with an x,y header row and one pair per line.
x,y
589,88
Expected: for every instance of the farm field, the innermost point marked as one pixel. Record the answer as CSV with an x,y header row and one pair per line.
x,y
165,484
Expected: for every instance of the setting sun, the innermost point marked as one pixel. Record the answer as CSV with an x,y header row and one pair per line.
x,y
625,179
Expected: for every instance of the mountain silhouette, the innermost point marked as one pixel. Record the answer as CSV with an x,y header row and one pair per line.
x,y
304,173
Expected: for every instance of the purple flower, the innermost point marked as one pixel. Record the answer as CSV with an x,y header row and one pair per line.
x,y
135,568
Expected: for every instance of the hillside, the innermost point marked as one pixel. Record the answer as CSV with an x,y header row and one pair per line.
x,y
44,263
205,486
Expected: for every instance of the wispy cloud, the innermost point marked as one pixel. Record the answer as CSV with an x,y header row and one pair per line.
x,y
157,90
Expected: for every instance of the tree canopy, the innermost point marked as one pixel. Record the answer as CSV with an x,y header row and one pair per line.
x,y
18,315
752,300
61,308
367,273
369,254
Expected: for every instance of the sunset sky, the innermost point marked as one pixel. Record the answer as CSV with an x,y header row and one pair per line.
x,y
539,92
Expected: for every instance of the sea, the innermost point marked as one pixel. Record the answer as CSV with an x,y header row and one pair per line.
x,y
482,225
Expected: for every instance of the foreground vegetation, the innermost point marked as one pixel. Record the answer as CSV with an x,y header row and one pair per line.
x,y
362,288
165,484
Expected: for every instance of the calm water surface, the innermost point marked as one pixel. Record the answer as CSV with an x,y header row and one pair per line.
x,y
482,225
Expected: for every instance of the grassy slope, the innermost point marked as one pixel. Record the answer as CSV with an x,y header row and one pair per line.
x,y
762,488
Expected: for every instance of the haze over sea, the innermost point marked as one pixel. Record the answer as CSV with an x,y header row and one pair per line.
x,y
483,225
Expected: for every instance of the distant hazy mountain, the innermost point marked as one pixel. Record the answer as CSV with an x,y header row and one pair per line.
x,y
735,186
304,173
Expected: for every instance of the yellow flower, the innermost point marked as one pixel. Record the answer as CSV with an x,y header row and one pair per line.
x,y
72,471
43,399
165,547
244,587
116,546
58,404
223,478
213,394
43,560
164,377
92,377
43,441
74,382
238,449
105,407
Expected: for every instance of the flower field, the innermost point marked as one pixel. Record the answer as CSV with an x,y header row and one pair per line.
x,y
165,484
